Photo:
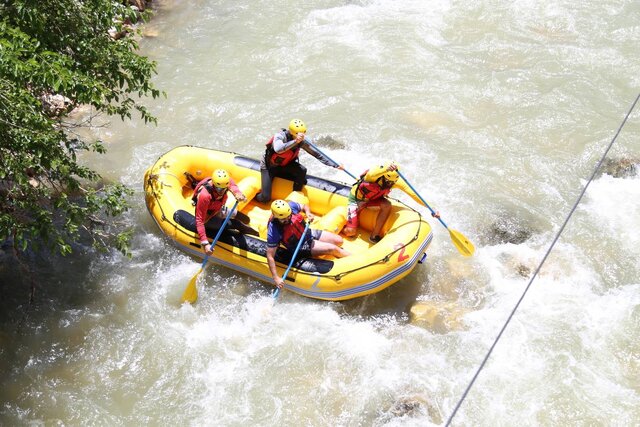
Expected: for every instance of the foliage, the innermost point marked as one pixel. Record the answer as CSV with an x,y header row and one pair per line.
x,y
63,47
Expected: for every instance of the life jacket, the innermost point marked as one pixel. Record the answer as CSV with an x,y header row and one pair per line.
x,y
281,159
292,232
365,191
218,200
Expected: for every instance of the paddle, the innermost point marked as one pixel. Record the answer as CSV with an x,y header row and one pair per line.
x,y
464,246
319,151
190,293
293,258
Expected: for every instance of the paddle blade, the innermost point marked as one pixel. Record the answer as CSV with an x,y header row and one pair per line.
x,y
464,246
190,294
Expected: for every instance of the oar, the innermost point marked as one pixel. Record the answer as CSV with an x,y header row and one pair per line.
x,y
190,293
464,246
293,258
319,151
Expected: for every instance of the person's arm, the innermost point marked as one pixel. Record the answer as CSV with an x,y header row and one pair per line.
x,y
281,144
201,218
233,187
307,212
306,146
402,185
273,242
296,208
271,252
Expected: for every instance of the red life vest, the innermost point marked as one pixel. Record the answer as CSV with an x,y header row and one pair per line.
x,y
292,232
217,200
284,158
367,191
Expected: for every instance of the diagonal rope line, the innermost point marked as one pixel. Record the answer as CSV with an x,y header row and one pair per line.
x,y
575,205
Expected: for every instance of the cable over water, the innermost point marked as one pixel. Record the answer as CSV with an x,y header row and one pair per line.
x,y
535,273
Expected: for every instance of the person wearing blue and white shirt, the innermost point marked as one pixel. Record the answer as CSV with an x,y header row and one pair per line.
x,y
286,226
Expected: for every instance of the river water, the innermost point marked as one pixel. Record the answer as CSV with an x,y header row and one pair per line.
x,y
497,112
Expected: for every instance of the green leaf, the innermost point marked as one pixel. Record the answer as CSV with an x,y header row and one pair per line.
x,y
62,46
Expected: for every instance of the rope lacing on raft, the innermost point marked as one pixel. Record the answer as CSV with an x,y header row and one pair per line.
x,y
153,178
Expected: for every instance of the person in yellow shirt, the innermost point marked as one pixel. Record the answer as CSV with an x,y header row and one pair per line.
x,y
371,191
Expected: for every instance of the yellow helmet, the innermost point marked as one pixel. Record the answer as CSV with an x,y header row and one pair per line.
x,y
220,178
390,177
280,209
296,126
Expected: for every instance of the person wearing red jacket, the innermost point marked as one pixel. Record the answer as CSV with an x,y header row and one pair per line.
x,y
281,159
210,196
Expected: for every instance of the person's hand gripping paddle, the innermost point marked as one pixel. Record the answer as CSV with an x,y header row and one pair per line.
x,y
190,293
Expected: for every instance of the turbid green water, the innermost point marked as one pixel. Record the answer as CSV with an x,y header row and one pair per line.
x,y
496,111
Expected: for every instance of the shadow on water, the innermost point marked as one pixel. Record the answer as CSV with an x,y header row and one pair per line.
x,y
50,275
32,332
396,300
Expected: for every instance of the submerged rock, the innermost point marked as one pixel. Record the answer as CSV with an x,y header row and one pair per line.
x,y
523,270
620,168
515,265
506,229
326,141
430,119
411,406
437,317
405,406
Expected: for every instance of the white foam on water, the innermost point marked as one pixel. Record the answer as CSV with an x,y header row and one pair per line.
x,y
614,203
488,108
304,363
566,333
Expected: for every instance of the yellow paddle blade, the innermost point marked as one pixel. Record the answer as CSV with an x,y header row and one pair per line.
x,y
190,294
465,247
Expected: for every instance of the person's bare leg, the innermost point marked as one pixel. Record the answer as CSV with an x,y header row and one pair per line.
x,y
325,248
330,237
385,210
349,232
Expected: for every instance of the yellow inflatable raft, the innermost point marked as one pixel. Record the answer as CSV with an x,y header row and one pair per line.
x,y
370,268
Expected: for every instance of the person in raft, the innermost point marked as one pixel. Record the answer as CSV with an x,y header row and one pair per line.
x,y
281,159
286,225
209,197
371,190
